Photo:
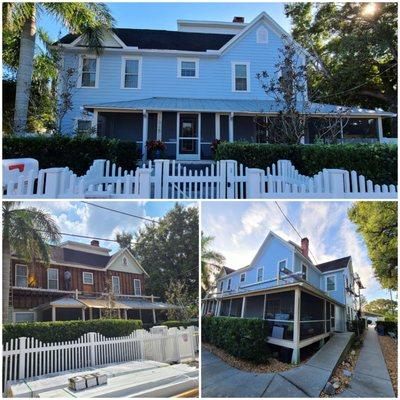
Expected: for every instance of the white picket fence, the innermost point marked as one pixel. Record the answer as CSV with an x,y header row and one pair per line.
x,y
166,179
27,357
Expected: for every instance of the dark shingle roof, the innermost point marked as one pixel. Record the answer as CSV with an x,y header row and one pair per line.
x,y
229,270
334,264
68,256
165,40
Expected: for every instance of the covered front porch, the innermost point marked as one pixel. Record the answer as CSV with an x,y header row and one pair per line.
x,y
296,315
188,127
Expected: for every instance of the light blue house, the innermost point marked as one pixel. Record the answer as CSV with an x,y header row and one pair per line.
x,y
187,87
301,302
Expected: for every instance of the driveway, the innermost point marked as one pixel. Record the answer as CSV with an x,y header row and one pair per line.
x,y
371,377
221,380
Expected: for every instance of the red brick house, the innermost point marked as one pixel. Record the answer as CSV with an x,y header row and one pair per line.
x,y
75,286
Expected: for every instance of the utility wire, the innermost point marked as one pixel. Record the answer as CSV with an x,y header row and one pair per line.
x,y
355,87
120,212
288,220
80,236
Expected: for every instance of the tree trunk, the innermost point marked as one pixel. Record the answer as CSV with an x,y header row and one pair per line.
x,y
24,75
6,278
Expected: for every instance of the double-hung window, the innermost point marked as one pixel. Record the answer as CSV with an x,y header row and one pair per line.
x,y
243,277
229,284
89,72
116,287
304,272
240,81
87,278
131,72
137,288
21,275
83,126
260,274
221,286
188,68
330,283
52,278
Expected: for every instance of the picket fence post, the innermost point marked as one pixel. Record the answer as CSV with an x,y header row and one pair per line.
x,y
254,181
158,174
53,181
22,347
144,183
228,173
336,181
92,339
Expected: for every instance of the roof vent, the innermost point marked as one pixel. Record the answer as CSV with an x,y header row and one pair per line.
x,y
95,243
238,20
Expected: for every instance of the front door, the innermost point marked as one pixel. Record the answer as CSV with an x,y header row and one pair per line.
x,y
188,137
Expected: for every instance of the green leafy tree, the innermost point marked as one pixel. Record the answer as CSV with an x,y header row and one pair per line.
x,y
20,31
377,223
353,48
362,301
209,258
125,240
381,307
169,250
27,232
177,294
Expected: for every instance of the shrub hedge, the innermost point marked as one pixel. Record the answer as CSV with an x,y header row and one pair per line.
x,y
245,338
61,331
377,162
177,324
76,152
389,326
360,323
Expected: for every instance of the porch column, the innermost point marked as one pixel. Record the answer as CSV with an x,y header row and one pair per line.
x,y
53,313
90,313
325,316
154,311
94,122
243,306
144,135
231,115
265,305
341,128
125,314
119,313
380,129
296,327
217,126
83,314
159,126
230,307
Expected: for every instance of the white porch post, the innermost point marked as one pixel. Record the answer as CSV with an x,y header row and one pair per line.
x,y
83,314
296,327
94,121
145,135
380,130
126,313
90,313
159,126
53,313
217,126
341,128
154,311
231,133
243,307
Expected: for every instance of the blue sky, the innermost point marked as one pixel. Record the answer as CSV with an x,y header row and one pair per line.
x,y
239,229
82,219
164,15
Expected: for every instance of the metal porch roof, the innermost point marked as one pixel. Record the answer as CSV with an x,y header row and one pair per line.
x,y
147,305
101,303
224,106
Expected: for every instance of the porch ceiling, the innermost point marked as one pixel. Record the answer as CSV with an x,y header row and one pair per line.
x,y
223,106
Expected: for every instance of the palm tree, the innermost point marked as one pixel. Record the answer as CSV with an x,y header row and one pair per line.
x,y
27,232
91,20
208,257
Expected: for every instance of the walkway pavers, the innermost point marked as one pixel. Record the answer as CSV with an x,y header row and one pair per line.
x,y
221,380
371,377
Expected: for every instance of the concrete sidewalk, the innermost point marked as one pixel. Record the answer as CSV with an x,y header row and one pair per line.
x,y
371,377
221,380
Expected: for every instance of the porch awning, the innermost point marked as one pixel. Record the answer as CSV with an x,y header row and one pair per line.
x,y
101,303
141,304
225,106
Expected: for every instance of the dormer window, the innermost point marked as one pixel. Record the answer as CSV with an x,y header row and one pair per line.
x,y
262,35
89,72
240,77
188,68
131,72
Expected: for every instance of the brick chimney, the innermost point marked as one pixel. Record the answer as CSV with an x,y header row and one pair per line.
x,y
238,20
95,243
304,246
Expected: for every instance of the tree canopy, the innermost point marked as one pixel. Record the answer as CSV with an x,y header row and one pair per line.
x,y
377,223
381,306
353,47
169,251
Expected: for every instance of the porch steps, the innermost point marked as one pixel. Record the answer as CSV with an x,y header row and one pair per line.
x,y
133,379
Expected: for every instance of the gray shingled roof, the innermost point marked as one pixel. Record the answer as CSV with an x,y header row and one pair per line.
x,y
165,40
71,256
334,264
